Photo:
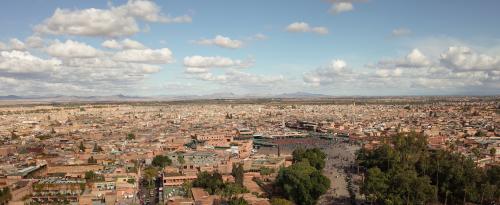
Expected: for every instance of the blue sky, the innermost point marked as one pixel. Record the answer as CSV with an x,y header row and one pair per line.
x,y
335,47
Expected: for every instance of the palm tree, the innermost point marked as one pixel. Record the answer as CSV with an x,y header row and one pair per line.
x,y
149,174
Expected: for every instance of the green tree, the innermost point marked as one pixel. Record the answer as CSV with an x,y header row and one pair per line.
x,y
238,173
5,195
97,148
211,182
266,171
405,171
91,160
314,156
149,174
237,201
302,183
376,184
161,161
81,147
280,201
93,177
130,136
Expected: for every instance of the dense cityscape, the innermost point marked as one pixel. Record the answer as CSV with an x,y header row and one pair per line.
x,y
171,153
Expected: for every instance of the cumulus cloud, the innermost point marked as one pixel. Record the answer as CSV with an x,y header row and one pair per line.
x,y
76,67
16,44
236,77
157,56
71,49
112,22
414,59
329,74
197,64
34,42
340,7
398,32
303,27
124,44
462,58
221,41
457,68
24,62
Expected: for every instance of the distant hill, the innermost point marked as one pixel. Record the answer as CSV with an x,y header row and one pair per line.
x,y
300,95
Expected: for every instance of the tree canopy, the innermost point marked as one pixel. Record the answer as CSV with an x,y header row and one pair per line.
x,y
315,157
303,182
406,171
161,161
238,174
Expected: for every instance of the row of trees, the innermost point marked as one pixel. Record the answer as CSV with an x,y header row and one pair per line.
x,y
406,171
303,181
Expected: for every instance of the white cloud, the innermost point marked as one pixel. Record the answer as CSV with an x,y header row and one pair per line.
x,y
340,7
158,56
71,49
23,62
398,32
303,27
462,58
320,30
221,41
260,36
414,59
16,44
34,42
112,22
213,62
241,79
124,44
329,74
298,27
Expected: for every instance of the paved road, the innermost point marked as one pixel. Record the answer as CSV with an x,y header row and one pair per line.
x,y
340,157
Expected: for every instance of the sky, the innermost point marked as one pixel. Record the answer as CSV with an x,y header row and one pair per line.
x,y
258,47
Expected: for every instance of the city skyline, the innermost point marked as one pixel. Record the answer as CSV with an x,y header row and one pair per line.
x,y
330,47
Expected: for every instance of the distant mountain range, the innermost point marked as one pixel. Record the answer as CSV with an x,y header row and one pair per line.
x,y
121,97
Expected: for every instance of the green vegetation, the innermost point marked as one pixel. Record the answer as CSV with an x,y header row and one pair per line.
x,y
213,184
264,171
5,195
280,201
97,148
91,160
314,156
303,182
81,147
407,172
131,180
238,174
237,201
130,136
93,177
44,137
150,173
161,161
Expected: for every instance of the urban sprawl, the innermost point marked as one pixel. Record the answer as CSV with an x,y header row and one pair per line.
x,y
231,151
